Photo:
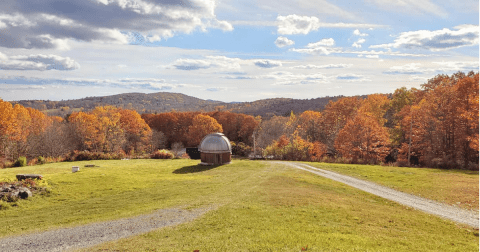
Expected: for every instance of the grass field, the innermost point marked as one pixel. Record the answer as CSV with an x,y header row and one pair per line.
x,y
454,187
262,207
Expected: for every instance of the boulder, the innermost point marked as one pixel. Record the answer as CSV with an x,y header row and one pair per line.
x,y
24,192
13,193
30,176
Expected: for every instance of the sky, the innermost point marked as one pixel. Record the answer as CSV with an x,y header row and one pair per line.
x,y
231,51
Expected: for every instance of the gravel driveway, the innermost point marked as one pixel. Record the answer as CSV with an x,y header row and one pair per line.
x,y
429,206
93,234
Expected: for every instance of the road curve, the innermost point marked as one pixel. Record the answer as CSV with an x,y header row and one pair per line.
x,y
429,206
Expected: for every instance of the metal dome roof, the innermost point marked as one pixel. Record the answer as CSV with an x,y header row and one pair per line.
x,y
215,143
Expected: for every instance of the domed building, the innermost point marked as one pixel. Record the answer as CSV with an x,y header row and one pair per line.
x,y
215,149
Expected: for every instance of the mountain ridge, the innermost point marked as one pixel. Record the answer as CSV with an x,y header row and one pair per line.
x,y
165,102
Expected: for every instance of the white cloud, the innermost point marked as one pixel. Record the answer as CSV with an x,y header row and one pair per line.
x,y
295,24
329,66
221,62
369,56
38,62
191,64
50,23
267,63
358,33
464,35
323,46
323,42
359,43
283,41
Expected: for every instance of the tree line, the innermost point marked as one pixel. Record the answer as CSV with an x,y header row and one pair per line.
x,y
435,126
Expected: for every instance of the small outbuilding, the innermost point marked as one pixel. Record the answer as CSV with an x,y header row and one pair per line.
x,y
215,149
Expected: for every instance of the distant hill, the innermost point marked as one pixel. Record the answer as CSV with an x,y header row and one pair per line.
x,y
165,102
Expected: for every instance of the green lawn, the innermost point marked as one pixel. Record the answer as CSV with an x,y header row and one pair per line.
x,y
454,187
262,207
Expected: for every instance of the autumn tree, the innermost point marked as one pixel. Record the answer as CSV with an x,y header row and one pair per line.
x,y
334,118
309,126
236,127
137,131
441,130
202,125
401,97
363,138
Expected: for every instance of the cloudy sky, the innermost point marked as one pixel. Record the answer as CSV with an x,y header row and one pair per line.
x,y
231,50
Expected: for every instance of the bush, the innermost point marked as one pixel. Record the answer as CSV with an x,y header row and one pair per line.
x,y
162,154
21,161
240,149
87,155
41,160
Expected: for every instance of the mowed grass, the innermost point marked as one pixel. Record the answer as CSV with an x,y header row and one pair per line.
x,y
291,209
262,206
115,189
454,187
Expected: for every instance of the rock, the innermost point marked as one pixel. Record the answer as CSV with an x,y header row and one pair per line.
x,y
24,193
13,193
30,176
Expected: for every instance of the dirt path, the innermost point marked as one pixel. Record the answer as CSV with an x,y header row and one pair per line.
x,y
432,207
96,233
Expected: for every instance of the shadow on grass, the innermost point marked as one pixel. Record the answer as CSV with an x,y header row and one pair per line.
x,y
194,169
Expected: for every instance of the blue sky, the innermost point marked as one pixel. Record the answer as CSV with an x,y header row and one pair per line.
x,y
231,50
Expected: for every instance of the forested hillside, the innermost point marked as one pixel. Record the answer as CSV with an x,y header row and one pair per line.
x,y
142,103
166,102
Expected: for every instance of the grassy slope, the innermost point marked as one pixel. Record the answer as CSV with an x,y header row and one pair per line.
x,y
263,207
454,187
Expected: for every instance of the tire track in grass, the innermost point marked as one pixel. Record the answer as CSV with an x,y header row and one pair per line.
x,y
96,233
429,206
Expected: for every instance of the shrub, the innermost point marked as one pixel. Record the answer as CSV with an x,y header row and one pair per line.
x,y
87,155
41,160
162,154
185,156
20,162
240,149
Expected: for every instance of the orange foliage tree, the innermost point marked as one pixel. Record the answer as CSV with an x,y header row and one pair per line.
x,y
309,126
363,138
202,125
236,127
334,118
441,130
136,130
